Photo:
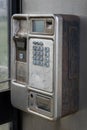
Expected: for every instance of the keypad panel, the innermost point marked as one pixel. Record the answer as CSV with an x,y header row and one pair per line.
x,y
41,54
41,64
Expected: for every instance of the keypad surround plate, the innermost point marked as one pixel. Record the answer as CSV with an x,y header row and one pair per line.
x,y
41,64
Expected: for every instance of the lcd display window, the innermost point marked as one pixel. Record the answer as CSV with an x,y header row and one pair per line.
x,y
38,26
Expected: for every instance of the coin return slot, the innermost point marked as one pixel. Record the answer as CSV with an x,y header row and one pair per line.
x,y
43,103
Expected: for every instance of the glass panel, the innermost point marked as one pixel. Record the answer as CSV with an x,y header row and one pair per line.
x,y
4,86
3,41
5,126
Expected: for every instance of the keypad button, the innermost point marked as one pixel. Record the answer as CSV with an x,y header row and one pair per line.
x,y
37,48
37,53
41,48
41,43
34,42
47,64
41,63
34,57
41,58
47,59
41,53
47,49
37,58
47,54
34,52
34,47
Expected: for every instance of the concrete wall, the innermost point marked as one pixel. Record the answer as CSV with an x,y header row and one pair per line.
x,y
77,121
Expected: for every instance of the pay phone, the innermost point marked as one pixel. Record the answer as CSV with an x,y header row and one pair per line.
x,y
45,64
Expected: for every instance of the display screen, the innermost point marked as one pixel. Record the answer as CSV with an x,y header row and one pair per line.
x,y
38,26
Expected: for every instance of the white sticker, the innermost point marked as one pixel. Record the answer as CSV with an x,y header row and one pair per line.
x,y
21,56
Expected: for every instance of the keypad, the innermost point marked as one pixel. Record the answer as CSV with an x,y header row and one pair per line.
x,y
41,54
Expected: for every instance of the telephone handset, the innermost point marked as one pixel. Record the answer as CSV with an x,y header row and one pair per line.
x,y
45,62
20,59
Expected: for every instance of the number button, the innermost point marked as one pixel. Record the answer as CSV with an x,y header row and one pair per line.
x,y
37,48
34,42
34,47
37,58
41,48
47,49
47,59
47,64
41,58
47,54
41,53
37,53
41,43
41,63
34,57
34,53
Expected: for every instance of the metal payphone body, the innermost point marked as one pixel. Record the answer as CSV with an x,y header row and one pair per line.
x,y
45,64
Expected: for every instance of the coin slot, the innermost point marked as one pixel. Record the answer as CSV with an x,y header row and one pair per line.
x,y
32,95
49,24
